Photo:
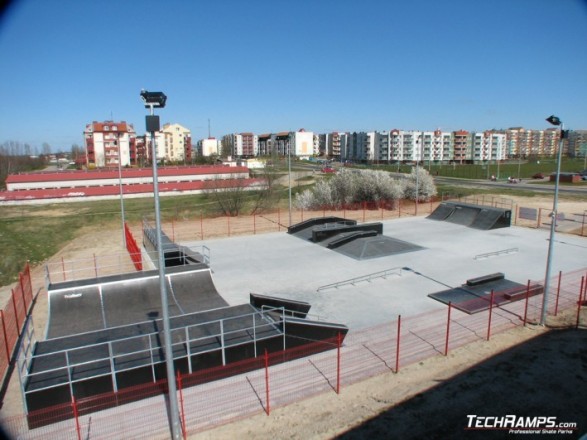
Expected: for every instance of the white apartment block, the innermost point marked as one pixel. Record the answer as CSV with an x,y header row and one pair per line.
x,y
240,145
109,144
209,147
488,145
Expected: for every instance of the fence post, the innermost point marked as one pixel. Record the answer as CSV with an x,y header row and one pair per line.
x,y
5,337
75,416
279,219
179,386
202,225
538,221
228,224
583,224
15,313
338,343
267,407
364,203
447,329
399,323
526,305
63,269
490,313
24,307
254,224
580,302
517,212
95,266
558,291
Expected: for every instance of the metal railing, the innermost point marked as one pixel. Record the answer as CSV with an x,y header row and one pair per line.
x,y
368,278
261,321
496,253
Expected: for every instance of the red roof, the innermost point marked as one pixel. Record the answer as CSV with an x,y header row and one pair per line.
x,y
113,190
62,176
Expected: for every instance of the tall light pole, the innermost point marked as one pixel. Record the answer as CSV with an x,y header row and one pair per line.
x,y
289,174
152,100
121,192
554,121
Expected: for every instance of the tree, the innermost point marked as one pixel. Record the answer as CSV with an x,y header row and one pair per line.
x,y
420,178
229,194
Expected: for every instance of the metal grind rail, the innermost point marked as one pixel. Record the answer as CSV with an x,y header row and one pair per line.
x,y
496,253
368,278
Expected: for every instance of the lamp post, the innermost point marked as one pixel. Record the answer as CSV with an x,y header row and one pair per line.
x,y
554,121
152,100
121,193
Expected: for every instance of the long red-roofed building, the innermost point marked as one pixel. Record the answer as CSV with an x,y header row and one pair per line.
x,y
136,182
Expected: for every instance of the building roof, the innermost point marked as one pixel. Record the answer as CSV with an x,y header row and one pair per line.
x,y
126,173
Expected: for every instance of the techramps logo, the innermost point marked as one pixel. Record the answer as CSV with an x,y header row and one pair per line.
x,y
519,425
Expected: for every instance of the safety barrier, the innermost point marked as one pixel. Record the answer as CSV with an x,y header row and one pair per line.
x,y
13,317
133,249
212,397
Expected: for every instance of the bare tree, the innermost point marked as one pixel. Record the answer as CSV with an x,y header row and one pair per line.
x,y
229,194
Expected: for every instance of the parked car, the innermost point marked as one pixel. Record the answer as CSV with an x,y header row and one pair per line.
x,y
538,176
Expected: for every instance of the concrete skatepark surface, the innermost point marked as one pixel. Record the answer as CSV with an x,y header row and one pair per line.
x,y
279,264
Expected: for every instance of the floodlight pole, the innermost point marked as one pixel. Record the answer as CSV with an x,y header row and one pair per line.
x,y
289,177
121,194
553,215
168,348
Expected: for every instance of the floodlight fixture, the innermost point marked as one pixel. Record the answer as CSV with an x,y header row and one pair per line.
x,y
153,99
554,120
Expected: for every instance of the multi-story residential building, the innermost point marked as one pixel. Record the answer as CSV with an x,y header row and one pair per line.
x,y
577,141
461,146
242,145
381,146
177,141
110,144
209,147
488,145
301,143
523,142
266,142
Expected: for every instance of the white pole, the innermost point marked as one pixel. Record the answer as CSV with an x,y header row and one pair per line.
x,y
553,216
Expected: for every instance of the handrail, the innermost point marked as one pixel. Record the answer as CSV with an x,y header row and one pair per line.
x,y
492,254
257,324
369,278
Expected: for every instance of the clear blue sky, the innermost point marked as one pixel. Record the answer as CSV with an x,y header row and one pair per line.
x,y
276,65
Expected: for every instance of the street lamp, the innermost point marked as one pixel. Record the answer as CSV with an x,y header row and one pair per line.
x,y
152,100
554,121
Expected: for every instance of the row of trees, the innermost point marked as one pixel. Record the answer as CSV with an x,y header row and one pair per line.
x,y
16,157
348,187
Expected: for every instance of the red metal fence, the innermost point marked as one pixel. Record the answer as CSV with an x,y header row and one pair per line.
x,y
13,318
212,397
133,249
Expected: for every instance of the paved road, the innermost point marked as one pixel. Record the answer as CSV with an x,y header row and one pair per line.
x,y
525,185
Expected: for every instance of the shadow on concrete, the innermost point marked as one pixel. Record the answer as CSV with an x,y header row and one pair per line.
x,y
545,376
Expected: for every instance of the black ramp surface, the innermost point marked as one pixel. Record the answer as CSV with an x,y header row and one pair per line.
x,y
375,247
74,311
463,215
442,212
134,301
195,291
486,219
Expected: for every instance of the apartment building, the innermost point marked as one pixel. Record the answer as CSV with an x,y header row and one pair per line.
x,y
109,144
241,145
488,145
577,142
177,143
209,147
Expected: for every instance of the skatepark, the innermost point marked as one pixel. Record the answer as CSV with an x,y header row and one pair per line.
x,y
409,260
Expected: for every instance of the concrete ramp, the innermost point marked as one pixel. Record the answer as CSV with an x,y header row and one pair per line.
x,y
463,215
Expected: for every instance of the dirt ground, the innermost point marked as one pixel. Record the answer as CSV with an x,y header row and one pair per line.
x,y
531,372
